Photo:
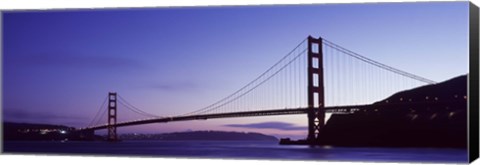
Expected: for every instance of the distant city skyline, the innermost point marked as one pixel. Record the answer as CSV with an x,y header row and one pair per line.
x,y
58,66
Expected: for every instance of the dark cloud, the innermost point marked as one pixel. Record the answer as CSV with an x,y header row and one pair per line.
x,y
269,125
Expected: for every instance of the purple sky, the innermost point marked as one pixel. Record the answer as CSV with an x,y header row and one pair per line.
x,y
58,66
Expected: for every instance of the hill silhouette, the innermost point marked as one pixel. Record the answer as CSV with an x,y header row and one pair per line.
x,y
440,124
450,90
201,136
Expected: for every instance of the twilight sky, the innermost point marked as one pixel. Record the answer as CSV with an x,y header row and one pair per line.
x,y
58,66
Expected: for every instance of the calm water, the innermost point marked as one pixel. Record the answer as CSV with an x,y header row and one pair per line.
x,y
239,150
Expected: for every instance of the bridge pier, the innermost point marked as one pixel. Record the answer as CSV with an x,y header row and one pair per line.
x,y
316,94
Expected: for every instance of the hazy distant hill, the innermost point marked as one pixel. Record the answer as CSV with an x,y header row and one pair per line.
x,y
201,135
404,126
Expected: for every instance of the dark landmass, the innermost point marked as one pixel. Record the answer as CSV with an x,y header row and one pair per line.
x,y
438,125
201,135
28,131
40,132
44,132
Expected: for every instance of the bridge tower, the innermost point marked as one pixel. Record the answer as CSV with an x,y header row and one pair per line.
x,y
316,95
112,116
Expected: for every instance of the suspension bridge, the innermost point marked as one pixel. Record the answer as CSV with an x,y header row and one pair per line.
x,y
316,77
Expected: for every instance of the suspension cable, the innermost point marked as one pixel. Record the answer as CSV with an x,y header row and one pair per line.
x,y
262,82
98,112
378,64
129,106
250,83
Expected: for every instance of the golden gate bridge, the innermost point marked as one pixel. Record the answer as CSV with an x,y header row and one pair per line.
x,y
316,77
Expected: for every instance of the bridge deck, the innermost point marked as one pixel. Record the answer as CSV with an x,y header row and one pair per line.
x,y
334,110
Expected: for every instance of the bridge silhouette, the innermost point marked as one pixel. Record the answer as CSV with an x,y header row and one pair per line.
x,y
315,78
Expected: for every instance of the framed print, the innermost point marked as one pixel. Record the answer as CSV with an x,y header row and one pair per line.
x,y
370,82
